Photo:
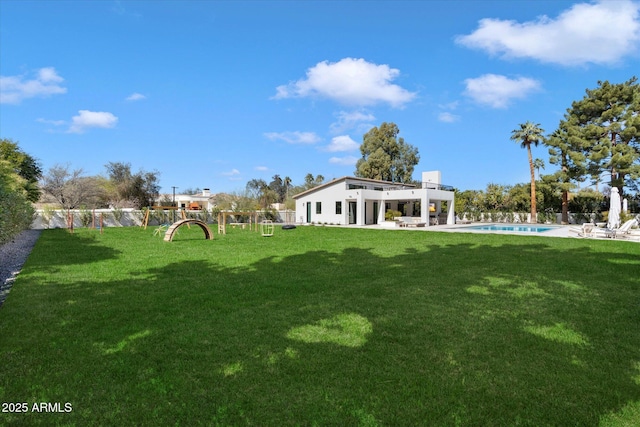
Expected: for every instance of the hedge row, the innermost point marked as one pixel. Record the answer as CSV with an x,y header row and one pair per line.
x,y
16,214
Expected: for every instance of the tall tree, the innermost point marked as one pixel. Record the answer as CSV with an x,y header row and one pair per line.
x,y
70,188
538,164
277,185
24,165
529,133
287,185
255,187
566,150
139,189
607,120
310,181
263,195
385,156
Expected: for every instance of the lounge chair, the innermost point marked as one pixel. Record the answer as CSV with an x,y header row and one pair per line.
x,y
462,221
408,221
585,230
613,233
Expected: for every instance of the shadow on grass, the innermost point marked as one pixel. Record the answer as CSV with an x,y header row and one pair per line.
x,y
58,248
460,334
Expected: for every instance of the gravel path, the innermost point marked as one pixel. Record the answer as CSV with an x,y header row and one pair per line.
x,y
13,255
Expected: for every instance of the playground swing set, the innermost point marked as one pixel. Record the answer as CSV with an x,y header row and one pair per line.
x,y
169,230
266,226
97,221
147,214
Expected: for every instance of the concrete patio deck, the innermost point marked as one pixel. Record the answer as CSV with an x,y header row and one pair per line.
x,y
555,231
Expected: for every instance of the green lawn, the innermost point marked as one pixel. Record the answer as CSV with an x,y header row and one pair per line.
x,y
323,326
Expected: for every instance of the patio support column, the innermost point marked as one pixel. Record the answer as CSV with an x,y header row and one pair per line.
x,y
451,210
381,211
424,208
360,218
345,212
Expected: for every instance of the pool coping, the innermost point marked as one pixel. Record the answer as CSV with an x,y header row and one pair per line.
x,y
555,230
558,230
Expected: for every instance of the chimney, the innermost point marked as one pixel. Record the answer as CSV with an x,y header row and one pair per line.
x,y
206,192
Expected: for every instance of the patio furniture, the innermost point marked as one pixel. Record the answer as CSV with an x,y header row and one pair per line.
x,y
588,230
462,221
408,221
627,228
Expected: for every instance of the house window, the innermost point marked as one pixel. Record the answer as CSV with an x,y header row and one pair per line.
x,y
338,208
318,207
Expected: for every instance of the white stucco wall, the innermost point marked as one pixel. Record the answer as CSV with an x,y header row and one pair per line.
x,y
327,197
366,200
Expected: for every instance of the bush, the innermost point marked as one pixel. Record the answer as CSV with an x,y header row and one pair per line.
x,y
48,212
86,216
270,214
16,214
391,214
117,214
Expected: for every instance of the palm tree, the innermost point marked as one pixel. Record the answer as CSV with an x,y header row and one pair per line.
x,y
529,133
538,164
287,185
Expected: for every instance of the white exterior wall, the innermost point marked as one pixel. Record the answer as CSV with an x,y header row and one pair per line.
x,y
432,177
183,200
366,200
328,198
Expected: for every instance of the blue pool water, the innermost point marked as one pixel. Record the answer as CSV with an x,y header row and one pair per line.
x,y
515,228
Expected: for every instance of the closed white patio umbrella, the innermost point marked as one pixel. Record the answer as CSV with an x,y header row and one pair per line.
x,y
614,209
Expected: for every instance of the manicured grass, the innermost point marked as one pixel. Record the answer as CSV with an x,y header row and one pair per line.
x,y
323,326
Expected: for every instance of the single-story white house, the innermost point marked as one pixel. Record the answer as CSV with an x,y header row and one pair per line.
x,y
204,200
361,201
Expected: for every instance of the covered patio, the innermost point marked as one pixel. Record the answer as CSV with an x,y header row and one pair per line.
x,y
430,206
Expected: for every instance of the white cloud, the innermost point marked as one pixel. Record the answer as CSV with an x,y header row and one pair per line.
x,y
449,105
13,89
119,9
342,143
351,82
447,117
49,75
600,33
136,97
352,120
294,137
232,172
261,168
91,119
498,91
51,122
344,161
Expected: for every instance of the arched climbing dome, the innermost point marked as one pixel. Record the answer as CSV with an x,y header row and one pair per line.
x,y
168,236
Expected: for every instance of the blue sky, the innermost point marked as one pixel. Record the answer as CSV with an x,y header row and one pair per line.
x,y
215,93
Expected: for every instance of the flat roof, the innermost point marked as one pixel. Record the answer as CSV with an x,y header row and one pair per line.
x,y
350,178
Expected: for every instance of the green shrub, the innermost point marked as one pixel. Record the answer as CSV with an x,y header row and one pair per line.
x,y
391,214
16,214
48,212
86,217
117,214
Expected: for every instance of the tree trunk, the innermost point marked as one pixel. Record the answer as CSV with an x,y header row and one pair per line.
x,y
534,215
565,193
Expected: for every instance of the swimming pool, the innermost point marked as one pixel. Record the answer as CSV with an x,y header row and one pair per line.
x,y
511,228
